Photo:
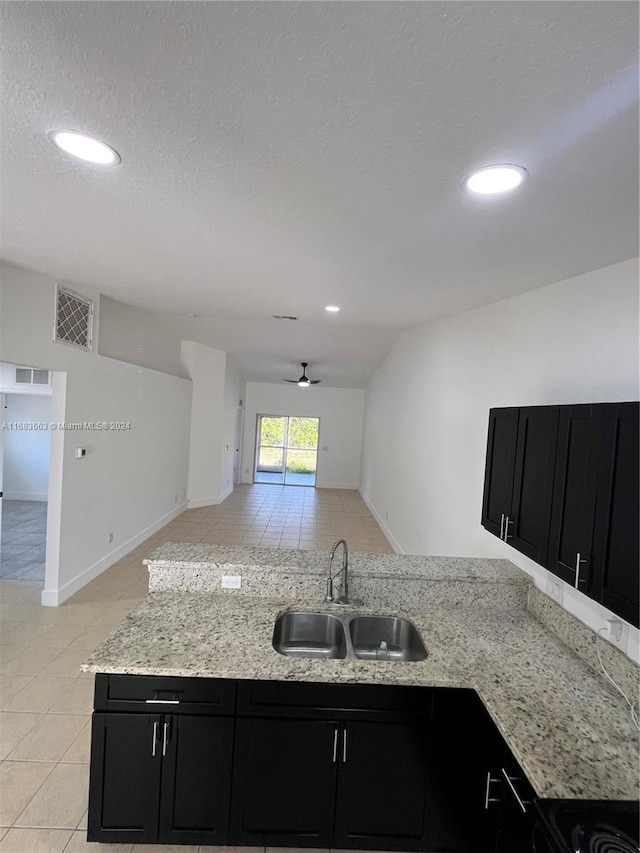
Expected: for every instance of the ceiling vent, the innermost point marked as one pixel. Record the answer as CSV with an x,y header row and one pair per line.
x,y
29,376
283,317
74,319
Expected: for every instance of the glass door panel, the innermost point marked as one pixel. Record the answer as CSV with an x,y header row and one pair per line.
x,y
287,450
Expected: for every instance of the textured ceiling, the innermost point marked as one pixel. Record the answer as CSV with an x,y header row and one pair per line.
x,y
280,156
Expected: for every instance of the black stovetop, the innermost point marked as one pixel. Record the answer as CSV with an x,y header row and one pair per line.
x,y
591,826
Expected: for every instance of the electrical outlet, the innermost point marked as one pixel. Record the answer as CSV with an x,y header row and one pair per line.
x,y
554,589
616,632
231,581
110,537
386,516
175,498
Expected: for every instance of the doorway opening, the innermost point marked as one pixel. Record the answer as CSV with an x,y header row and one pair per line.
x,y
287,450
26,401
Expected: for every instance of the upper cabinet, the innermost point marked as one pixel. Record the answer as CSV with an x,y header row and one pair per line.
x,y
561,486
519,477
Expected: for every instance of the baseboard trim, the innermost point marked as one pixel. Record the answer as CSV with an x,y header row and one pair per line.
x,y
351,486
55,597
383,525
210,501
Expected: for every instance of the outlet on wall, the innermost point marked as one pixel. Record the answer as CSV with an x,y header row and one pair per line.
x,y
554,589
175,498
111,537
616,632
231,581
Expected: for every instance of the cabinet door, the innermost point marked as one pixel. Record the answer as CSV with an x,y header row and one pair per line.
x,y
530,509
616,549
465,787
124,785
515,832
574,495
382,785
196,779
498,476
284,782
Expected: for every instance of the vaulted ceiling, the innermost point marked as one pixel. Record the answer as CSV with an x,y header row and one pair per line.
x,y
280,156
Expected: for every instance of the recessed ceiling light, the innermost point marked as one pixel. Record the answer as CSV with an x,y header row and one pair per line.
x,y
332,308
496,179
84,147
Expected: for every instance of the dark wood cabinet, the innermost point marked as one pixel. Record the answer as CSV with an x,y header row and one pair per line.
x,y
480,799
125,778
616,546
382,785
357,780
159,777
195,793
561,486
303,765
574,495
284,782
519,477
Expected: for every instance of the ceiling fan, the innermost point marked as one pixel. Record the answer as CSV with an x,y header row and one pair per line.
x,y
304,381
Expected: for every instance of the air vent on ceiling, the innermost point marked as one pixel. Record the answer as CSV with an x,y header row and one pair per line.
x,y
31,376
74,319
283,317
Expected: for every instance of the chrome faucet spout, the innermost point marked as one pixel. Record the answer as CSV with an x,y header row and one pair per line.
x,y
344,573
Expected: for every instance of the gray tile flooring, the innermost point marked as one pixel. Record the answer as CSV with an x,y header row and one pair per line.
x,y
23,540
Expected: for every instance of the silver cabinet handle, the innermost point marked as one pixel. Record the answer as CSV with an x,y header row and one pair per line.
x,y
487,798
155,738
578,561
162,701
335,745
165,733
510,780
344,746
507,522
502,526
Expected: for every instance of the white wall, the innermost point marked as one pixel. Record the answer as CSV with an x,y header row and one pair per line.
x,y
132,481
426,414
26,451
137,336
340,411
205,367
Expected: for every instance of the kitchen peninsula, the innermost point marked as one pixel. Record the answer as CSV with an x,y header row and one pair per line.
x,y
485,629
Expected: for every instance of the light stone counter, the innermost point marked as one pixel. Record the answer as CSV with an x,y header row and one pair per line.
x,y
568,729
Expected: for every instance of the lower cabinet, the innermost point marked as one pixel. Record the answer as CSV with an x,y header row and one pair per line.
x,y
288,764
164,778
312,783
480,799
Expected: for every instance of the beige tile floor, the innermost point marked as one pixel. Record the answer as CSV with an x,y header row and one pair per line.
x,y
46,702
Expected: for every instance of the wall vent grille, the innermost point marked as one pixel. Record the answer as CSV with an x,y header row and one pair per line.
x,y
74,319
31,376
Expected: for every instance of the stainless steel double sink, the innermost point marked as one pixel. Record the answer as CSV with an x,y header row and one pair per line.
x,y
330,637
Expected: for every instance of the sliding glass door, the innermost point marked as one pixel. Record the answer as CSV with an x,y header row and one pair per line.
x,y
287,450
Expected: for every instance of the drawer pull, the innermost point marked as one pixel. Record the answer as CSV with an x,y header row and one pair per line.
x,y
155,738
162,701
510,780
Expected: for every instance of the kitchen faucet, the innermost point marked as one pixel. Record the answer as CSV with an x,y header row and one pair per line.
x,y
344,598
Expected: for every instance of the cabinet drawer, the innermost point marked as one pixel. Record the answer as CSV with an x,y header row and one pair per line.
x,y
331,701
164,694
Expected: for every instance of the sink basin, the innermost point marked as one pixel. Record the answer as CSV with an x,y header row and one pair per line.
x,y
309,635
325,636
401,638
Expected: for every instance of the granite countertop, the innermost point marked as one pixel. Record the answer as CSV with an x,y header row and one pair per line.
x,y
568,729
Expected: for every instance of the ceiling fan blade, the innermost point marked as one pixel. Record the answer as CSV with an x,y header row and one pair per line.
x,y
295,381
315,381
